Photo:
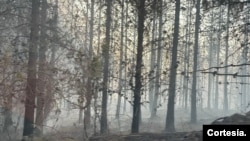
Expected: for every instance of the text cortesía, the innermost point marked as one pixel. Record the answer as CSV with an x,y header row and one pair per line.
x,y
224,132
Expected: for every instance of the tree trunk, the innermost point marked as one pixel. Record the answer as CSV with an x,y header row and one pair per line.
x,y
244,89
187,64
216,97
195,60
138,83
120,83
225,105
152,64
50,85
89,94
170,127
99,29
41,69
210,61
125,60
31,72
106,46
158,69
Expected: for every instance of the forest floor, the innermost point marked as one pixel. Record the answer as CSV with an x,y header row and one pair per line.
x,y
153,129
120,129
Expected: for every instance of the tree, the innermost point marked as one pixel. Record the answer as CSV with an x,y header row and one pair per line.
x,y
31,72
210,61
158,69
125,59
105,50
195,60
89,94
120,83
245,95
138,69
187,58
225,105
48,105
41,69
152,63
216,96
169,127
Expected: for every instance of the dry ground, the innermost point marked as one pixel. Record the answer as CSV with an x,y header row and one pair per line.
x,y
120,129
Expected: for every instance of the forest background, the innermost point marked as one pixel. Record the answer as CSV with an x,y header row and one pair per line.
x,y
104,64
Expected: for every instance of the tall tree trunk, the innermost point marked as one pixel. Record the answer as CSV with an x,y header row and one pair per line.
x,y
31,72
216,96
106,46
187,67
99,29
138,83
91,29
170,127
132,72
158,70
246,42
225,105
112,66
96,94
86,84
120,83
87,112
125,60
50,89
244,89
195,60
152,64
41,70
210,61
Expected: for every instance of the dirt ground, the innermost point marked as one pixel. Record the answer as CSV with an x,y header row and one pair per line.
x,y
151,129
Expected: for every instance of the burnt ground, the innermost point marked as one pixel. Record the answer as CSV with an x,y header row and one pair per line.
x,y
185,130
151,129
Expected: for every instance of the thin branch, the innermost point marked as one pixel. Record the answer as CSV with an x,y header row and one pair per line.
x,y
229,74
221,67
